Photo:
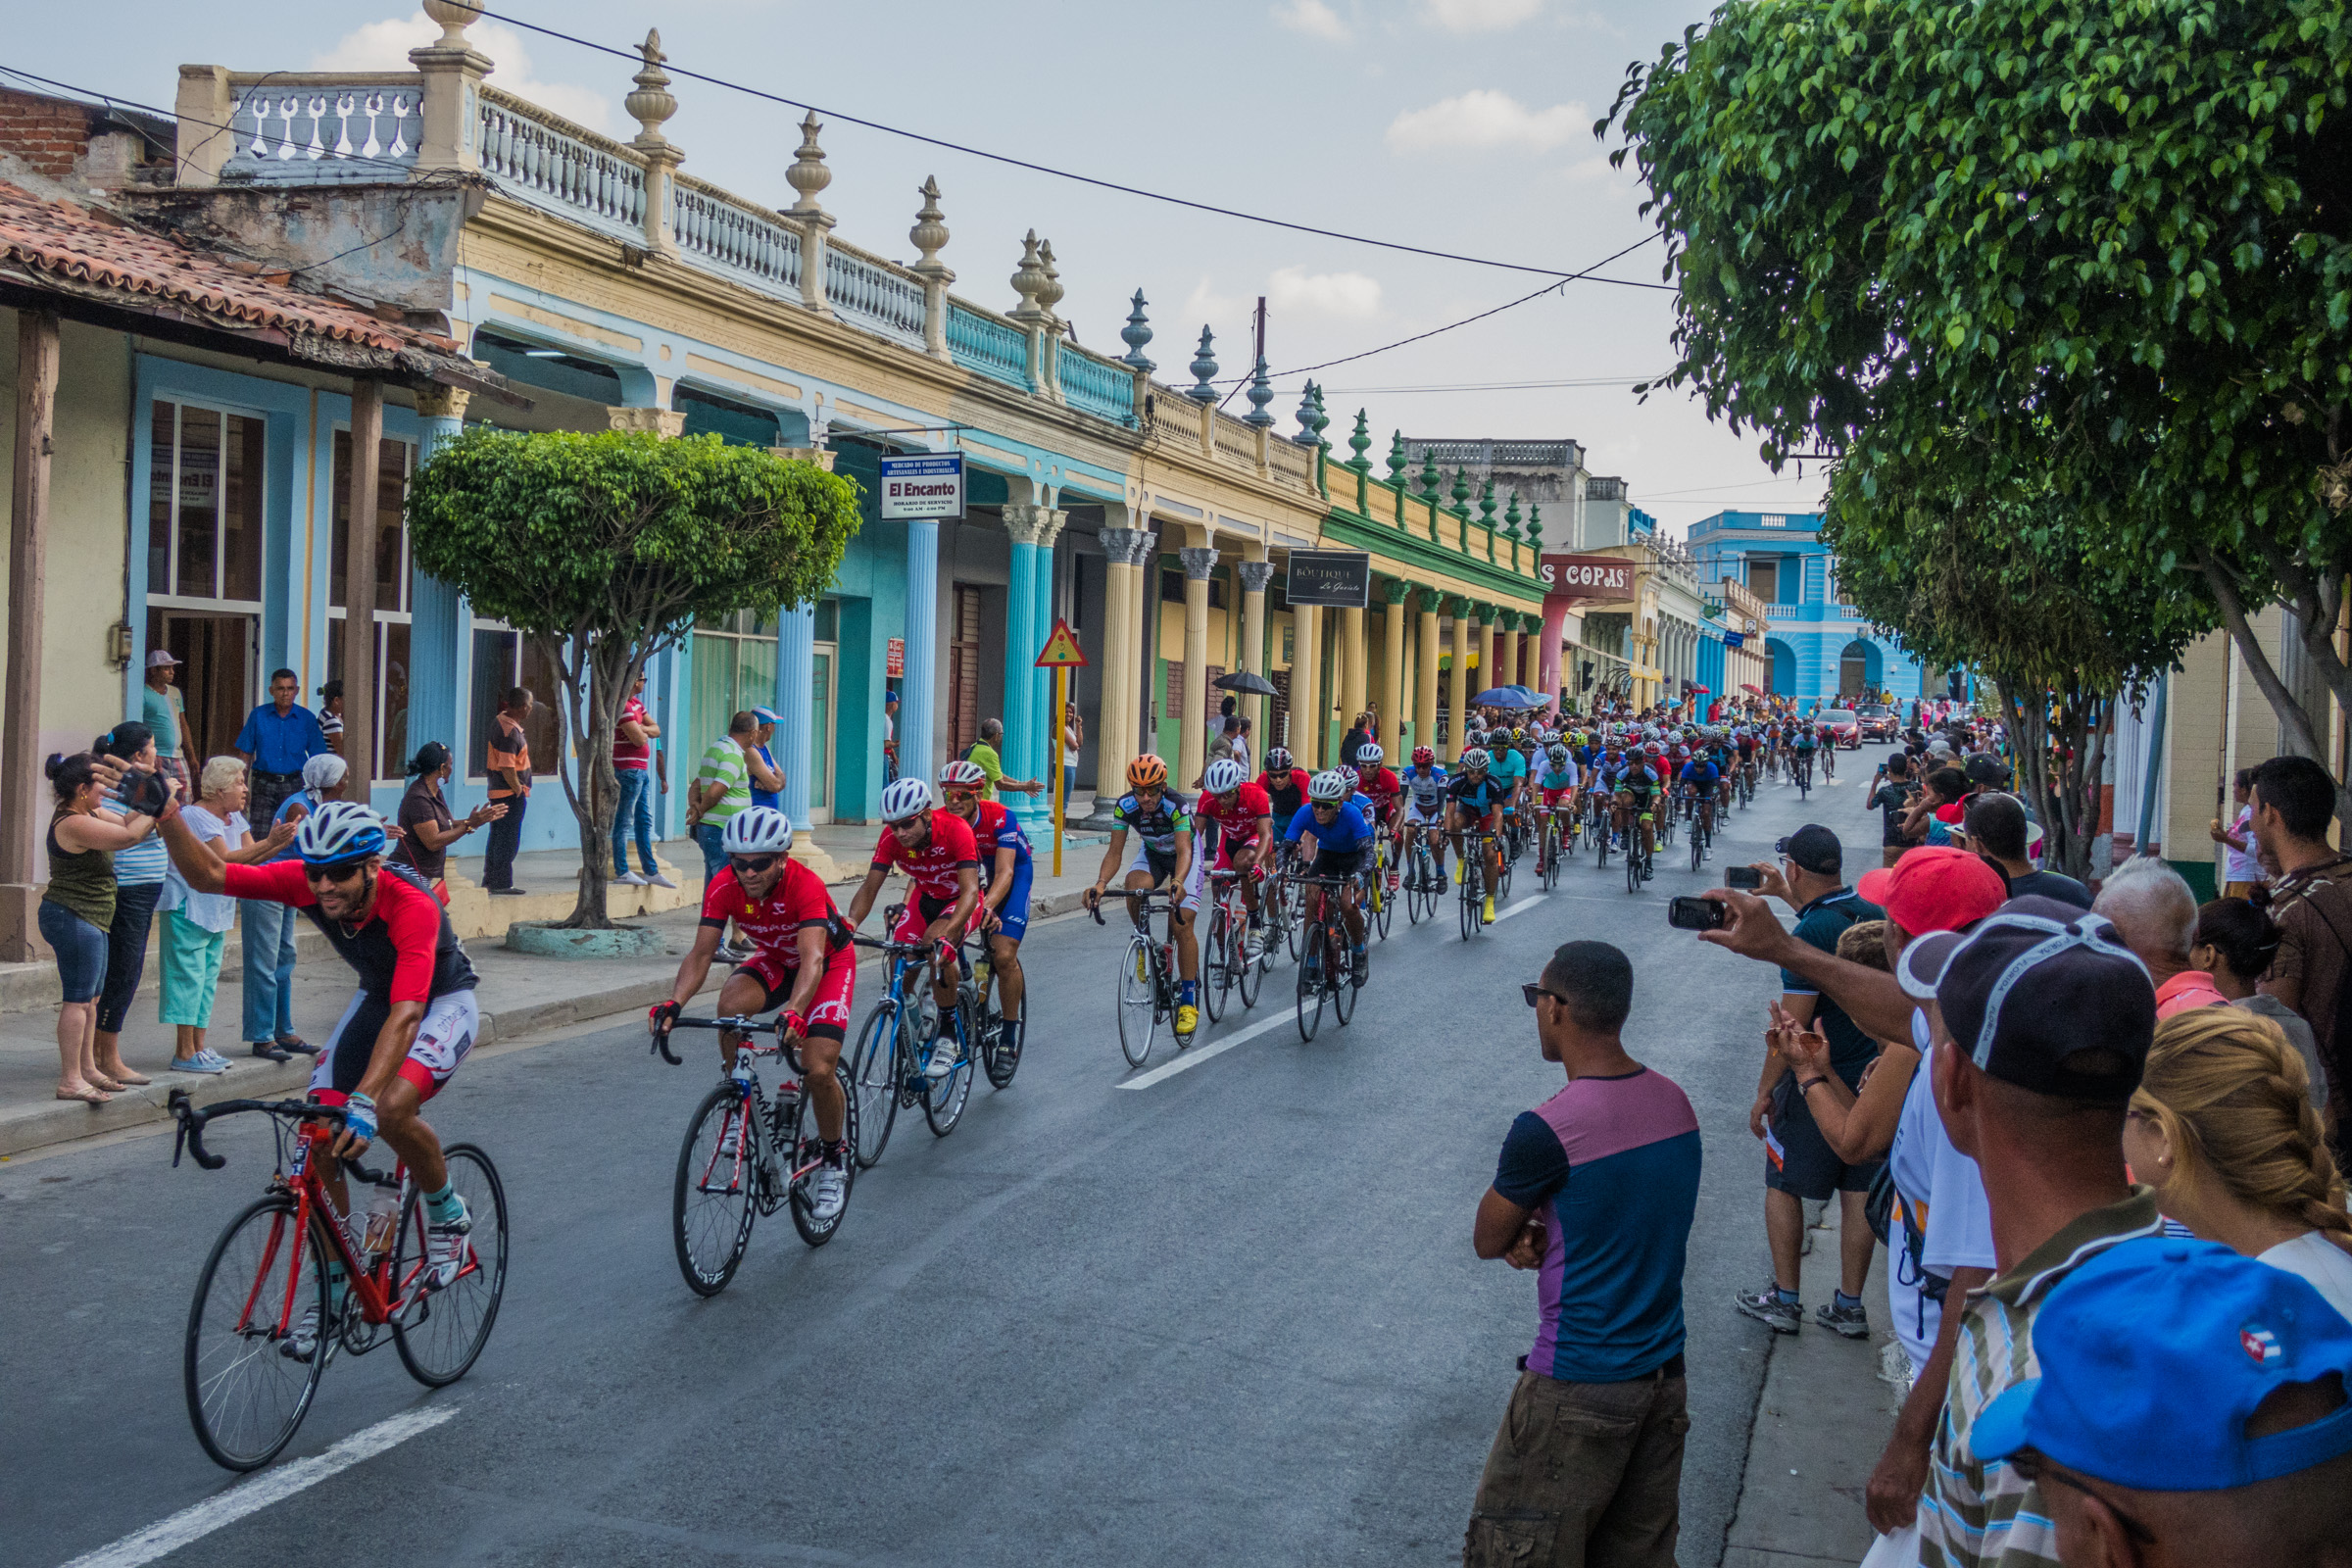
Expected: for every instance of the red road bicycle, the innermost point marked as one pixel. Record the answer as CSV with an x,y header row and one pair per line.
x,y
264,1291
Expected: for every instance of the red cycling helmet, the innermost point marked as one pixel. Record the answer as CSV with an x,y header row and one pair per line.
x,y
1423,756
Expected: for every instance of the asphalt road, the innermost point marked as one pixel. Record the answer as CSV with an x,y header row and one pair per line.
x,y
1231,1317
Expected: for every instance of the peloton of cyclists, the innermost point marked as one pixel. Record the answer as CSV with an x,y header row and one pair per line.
x,y
1161,822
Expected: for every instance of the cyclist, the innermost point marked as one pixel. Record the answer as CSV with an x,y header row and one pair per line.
x,y
1424,786
1635,786
942,862
800,961
1699,780
1163,823
1744,738
411,1023
1826,739
1476,801
1005,870
1342,838
1557,781
1245,821
1285,789
1800,749
1508,770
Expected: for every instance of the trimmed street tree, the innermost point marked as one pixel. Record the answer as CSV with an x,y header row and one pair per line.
x,y
2108,239
604,550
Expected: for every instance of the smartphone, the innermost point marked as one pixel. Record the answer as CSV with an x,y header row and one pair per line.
x,y
1746,878
1696,914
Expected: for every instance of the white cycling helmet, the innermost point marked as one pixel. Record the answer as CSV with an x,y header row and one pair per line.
x,y
1369,755
961,775
1476,758
1353,778
1223,775
906,797
339,831
757,830
1329,786
1558,755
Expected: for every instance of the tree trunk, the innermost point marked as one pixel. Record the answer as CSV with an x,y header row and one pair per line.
x,y
2064,788
2318,607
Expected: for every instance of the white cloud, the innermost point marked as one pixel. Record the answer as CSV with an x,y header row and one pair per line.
x,y
1349,295
1479,16
385,45
1312,18
1484,119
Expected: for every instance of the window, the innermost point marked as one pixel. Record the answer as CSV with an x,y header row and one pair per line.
x,y
394,593
204,562
1764,577
1171,589
734,669
502,660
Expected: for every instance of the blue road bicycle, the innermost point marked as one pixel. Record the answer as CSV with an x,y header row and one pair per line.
x,y
888,1069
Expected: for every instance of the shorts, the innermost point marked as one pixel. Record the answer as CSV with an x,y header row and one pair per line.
x,y
925,911
1339,862
836,989
1584,1472
1559,797
1418,815
1809,1167
1225,848
450,1024
1163,867
1012,916
1487,821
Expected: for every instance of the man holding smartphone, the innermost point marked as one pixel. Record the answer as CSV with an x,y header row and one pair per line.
x,y
1891,793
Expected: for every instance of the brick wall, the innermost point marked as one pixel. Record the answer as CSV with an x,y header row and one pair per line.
x,y
48,134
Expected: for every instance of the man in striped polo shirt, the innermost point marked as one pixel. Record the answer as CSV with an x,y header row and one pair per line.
x,y
2041,1020
1596,1192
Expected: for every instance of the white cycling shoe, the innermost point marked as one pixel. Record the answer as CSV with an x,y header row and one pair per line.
x,y
945,1054
828,1191
445,1247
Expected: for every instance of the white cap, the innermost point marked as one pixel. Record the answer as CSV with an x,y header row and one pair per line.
x,y
158,657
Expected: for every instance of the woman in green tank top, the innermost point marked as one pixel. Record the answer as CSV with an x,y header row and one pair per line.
x,y
76,907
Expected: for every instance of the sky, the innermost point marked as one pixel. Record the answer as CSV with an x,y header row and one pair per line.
x,y
1459,125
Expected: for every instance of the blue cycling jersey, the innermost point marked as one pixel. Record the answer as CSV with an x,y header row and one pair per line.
x,y
1346,830
1701,773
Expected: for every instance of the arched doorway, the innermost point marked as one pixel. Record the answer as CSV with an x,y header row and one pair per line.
x,y
1784,667
1861,668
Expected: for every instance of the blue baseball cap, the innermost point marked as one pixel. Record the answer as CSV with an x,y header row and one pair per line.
x,y
2154,1354
768,716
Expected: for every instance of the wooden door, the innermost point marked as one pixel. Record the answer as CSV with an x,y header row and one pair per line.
x,y
963,672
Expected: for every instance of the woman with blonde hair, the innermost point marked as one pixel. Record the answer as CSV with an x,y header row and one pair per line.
x,y
2223,1127
196,924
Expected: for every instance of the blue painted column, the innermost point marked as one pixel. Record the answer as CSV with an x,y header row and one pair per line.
x,y
437,673
796,704
918,691
1024,522
1040,808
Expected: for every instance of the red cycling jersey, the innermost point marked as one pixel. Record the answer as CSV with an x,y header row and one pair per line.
x,y
933,868
1384,787
774,924
1237,820
405,951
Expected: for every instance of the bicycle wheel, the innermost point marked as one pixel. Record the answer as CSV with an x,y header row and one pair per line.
x,y
874,1083
1473,917
712,1198
1217,964
802,1137
439,1337
944,1098
1310,981
1343,982
1416,870
1138,1000
1633,859
1699,848
1383,912
246,1395
1602,823
1247,977
999,1051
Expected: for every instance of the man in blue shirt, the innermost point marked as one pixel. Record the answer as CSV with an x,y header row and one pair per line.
x,y
1596,1192
279,737
1342,840
1701,777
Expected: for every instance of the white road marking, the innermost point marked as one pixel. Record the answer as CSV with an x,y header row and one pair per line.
x,y
251,1496
1215,1047
1521,907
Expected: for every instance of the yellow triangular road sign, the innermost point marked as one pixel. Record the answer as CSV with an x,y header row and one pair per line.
x,y
1062,649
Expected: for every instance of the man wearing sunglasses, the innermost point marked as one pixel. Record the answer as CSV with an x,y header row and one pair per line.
x,y
942,862
1341,840
1006,871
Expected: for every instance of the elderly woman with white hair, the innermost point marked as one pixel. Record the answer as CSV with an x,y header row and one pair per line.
x,y
269,926
196,924
2156,914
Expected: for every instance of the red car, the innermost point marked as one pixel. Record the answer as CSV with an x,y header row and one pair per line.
x,y
1844,723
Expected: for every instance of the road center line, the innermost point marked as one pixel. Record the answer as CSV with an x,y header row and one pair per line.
x,y
273,1486
1521,907
1215,1047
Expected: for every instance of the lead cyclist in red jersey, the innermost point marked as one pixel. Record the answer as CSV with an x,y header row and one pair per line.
x,y
1244,819
942,860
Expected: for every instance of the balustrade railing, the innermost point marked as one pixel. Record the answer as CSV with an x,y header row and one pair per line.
x,y
718,232
1095,386
867,294
1234,439
988,345
364,130
560,168
1289,464
1175,416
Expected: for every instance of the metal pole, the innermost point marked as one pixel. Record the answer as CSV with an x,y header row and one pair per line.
x,y
1061,727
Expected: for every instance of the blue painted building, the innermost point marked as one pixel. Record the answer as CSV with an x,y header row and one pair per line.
x,y
1819,647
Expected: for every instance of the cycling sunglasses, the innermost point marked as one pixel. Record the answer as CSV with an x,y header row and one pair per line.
x,y
341,871
753,864
1324,806
956,798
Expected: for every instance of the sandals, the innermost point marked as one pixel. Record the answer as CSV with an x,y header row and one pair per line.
x,y
128,1079
86,1093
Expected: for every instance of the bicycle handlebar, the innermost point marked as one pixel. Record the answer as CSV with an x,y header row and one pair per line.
x,y
190,1136
1166,897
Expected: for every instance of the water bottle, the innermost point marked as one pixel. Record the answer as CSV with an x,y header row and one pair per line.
x,y
980,976
741,1072
382,1216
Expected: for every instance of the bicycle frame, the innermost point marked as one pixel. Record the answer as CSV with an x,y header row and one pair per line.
x,y
753,1093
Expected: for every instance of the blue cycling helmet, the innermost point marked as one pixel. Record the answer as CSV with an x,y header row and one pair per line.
x,y
340,831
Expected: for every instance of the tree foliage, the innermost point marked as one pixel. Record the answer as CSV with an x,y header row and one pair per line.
x,y
2107,241
606,549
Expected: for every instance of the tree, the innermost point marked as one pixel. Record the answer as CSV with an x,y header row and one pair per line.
x,y
604,550
2108,239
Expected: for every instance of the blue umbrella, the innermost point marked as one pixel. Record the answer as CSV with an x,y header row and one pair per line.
x,y
1505,697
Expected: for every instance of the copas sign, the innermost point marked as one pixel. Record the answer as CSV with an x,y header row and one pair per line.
x,y
922,488
1588,577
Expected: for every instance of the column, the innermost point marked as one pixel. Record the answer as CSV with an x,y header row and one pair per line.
x,y
1116,720
1306,686
24,792
359,590
1506,664
1255,575
1391,671
1192,733
437,670
1354,665
1046,725
795,708
1485,650
1425,667
919,692
1023,520
1549,678
1457,691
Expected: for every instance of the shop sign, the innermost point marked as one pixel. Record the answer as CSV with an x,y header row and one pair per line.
x,y
1331,578
895,658
920,487
1600,577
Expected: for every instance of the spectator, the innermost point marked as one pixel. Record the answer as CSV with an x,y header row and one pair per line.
x,y
890,736
984,755
165,713
1996,830
1225,711
1354,741
279,737
2242,872
196,924
139,871
2223,1128
2311,902
632,767
270,927
77,911
1073,744
330,715
427,829
1595,1191
2057,1016
766,779
2190,1404
1223,747
722,787
511,787
2235,943
1800,1166
1934,814
1241,752
1892,800
2155,915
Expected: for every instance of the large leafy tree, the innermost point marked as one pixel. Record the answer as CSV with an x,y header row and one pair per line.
x,y
604,550
2108,239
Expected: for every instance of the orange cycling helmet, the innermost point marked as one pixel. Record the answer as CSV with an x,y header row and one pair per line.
x,y
1147,772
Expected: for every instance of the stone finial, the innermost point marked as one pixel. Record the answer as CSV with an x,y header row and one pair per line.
x,y
1205,367
1305,417
454,18
1136,333
1535,525
1486,505
652,102
1430,481
1398,461
1028,280
1461,493
1261,393
1050,295
1361,443
1322,417
808,174
1510,518
930,231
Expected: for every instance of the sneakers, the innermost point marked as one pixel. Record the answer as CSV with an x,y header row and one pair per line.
x,y
631,878
1188,1018
828,1191
445,1247
303,1343
1839,1318
659,879
1767,1306
946,1051
205,1062
1461,872
269,1051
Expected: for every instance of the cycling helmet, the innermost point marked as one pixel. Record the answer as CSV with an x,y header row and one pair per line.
x,y
1329,786
1423,756
1369,755
1473,737
757,830
1476,758
339,831
1147,772
961,775
1223,776
1278,761
1353,778
906,797
1558,755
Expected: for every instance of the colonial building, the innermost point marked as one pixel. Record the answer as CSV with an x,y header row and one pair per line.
x,y
1819,649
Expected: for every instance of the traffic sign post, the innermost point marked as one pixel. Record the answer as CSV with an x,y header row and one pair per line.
x,y
1060,655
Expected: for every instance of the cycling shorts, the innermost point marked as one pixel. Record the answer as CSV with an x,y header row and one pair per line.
x,y
450,1024
1163,867
925,911
1433,816
1339,863
836,989
1561,796
1492,818
1012,916
1225,848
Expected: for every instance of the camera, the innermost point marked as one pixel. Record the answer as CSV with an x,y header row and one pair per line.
x,y
145,794
1746,878
1698,915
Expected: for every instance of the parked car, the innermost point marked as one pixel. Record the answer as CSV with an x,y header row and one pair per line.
x,y
1878,722
1845,725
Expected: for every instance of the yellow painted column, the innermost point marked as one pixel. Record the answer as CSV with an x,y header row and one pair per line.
x,y
1391,671
1144,613
1457,693
1355,677
1117,718
1425,667
1192,733
1306,680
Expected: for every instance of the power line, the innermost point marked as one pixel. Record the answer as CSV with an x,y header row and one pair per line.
x,y
1498,386
1064,173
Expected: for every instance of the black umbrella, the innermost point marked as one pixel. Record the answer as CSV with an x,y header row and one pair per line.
x,y
1241,681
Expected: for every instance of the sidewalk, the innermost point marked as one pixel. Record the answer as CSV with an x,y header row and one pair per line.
x,y
520,993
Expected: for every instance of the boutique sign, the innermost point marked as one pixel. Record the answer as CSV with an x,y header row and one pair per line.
x,y
1588,577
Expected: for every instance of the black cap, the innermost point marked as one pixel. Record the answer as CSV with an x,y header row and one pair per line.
x,y
2033,985
1983,768
1815,849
